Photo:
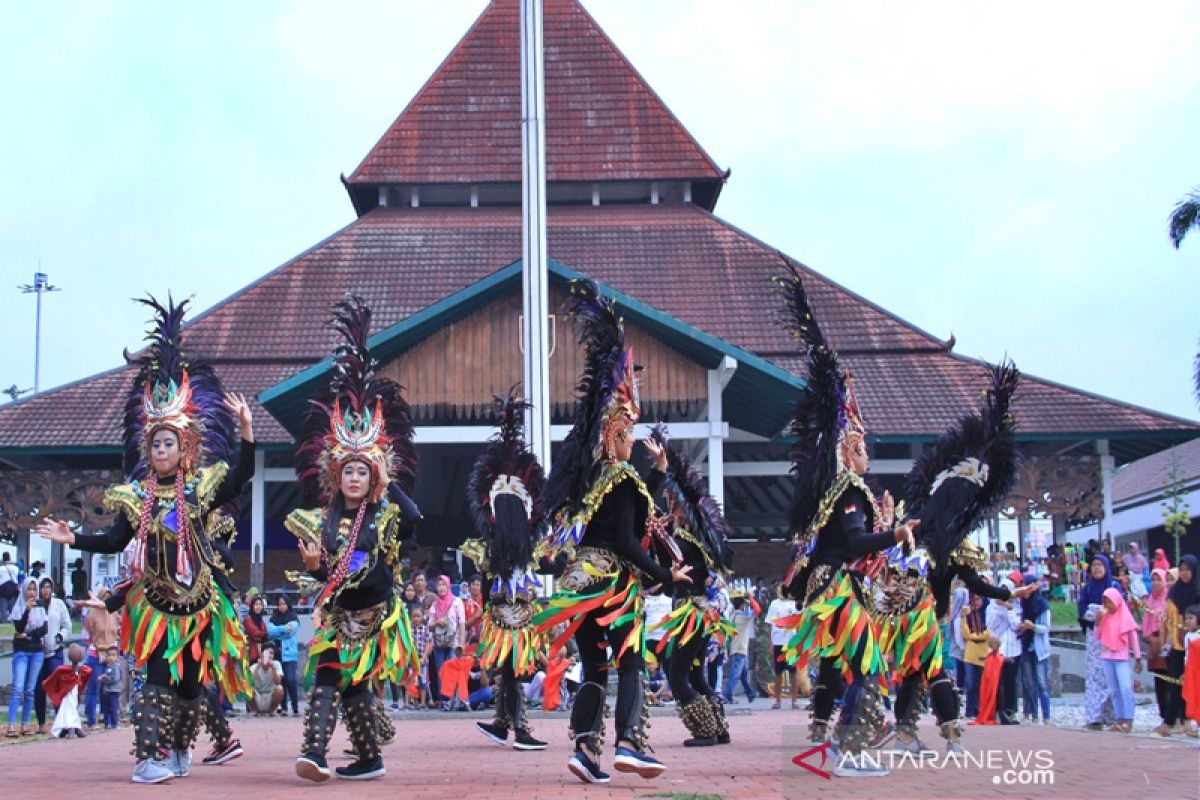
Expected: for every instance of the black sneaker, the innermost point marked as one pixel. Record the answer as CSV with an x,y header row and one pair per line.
x,y
700,741
219,755
588,771
629,760
523,741
496,733
362,770
724,738
312,767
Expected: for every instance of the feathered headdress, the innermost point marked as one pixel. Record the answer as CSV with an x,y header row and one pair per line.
x,y
825,412
505,492
607,394
364,417
688,491
962,479
177,392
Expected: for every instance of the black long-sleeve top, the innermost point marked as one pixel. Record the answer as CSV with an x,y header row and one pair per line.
x,y
847,535
941,584
377,585
618,525
31,642
116,538
693,557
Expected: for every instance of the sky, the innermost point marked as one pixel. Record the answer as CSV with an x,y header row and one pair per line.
x,y
1002,172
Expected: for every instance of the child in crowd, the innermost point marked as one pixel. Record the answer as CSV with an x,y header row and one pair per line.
x,y
421,639
1121,654
112,684
1191,655
989,684
63,688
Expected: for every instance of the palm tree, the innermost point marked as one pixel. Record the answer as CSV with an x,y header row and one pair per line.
x,y
1185,217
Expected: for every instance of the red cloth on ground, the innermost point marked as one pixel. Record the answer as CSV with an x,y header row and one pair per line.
x,y
989,687
552,686
63,680
453,677
1191,681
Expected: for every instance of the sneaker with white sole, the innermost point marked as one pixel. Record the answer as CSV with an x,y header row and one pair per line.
x,y
180,763
151,771
583,767
313,767
912,746
629,760
849,766
220,755
522,740
496,733
362,770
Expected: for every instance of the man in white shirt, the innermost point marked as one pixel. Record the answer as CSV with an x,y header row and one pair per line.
x,y
781,607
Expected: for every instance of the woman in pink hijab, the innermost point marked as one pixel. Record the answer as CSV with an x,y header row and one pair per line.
x,y
1160,560
1121,654
447,623
1152,630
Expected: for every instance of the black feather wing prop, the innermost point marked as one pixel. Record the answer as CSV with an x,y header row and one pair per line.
x,y
690,491
602,337
817,415
510,536
947,488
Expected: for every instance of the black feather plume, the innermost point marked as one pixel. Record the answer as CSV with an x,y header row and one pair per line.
x,y
602,337
162,362
817,415
702,512
958,506
510,536
356,383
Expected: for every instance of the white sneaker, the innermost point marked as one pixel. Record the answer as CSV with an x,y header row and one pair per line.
x,y
913,746
151,771
850,767
180,763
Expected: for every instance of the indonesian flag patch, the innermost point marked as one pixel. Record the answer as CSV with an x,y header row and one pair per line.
x,y
850,509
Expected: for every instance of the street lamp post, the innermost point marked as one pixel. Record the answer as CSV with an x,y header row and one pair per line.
x,y
40,285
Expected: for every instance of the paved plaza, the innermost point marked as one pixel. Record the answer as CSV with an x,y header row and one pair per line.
x,y
441,757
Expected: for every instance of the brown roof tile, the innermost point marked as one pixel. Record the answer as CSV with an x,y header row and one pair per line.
x,y
679,259
603,122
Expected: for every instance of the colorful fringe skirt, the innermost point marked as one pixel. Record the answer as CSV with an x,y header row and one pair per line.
x,y
508,636
690,618
613,593
914,639
374,643
835,625
213,637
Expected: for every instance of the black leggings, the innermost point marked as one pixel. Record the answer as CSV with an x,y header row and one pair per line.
x,y
686,671
942,696
1006,698
830,686
330,676
1174,710
591,638
158,671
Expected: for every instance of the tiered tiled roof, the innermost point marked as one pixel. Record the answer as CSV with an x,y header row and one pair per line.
x,y
603,122
679,259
